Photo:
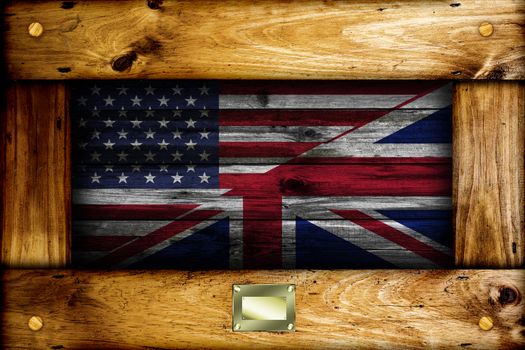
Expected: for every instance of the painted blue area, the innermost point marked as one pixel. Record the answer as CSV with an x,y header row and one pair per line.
x,y
435,224
320,249
208,248
436,128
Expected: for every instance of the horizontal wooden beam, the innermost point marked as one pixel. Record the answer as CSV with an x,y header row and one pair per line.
x,y
488,181
335,309
272,39
36,186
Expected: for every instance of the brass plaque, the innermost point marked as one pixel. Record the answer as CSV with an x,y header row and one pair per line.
x,y
263,307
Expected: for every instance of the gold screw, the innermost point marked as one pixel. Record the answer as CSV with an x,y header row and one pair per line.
x,y
486,29
486,323
35,29
35,323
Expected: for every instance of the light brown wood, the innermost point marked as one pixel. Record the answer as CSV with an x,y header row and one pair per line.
x,y
36,183
488,174
275,39
380,309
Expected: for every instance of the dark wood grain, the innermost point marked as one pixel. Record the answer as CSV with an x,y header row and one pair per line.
x,y
36,186
488,179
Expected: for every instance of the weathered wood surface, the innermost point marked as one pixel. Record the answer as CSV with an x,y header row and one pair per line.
x,y
335,309
266,39
488,180
36,183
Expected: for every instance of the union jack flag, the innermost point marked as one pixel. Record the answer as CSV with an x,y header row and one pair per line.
x,y
261,174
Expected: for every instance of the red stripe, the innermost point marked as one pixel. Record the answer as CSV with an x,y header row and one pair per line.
x,y
100,243
309,87
345,180
156,237
262,239
394,235
131,211
264,149
257,117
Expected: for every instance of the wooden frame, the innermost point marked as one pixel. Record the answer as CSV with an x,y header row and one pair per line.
x,y
336,309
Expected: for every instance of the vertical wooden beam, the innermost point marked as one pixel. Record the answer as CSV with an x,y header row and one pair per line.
x,y
36,181
488,153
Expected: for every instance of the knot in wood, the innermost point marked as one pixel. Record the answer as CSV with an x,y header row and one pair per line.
x,y
292,185
124,62
508,295
155,4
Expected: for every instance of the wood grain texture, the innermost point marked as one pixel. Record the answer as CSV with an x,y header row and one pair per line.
x,y
36,186
381,309
269,39
488,175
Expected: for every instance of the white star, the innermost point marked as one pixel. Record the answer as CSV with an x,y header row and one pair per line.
x,y
190,123
109,144
122,156
122,178
136,101
190,144
163,167
163,144
150,178
150,156
95,90
176,155
176,134
204,90
95,178
204,134
82,101
190,167
95,112
177,90
150,134
95,156
122,134
190,101
82,145
109,101
136,144
95,134
122,112
177,113
82,168
109,123
204,177
135,168
177,178
150,112
163,101
204,155
82,123
204,113
122,90
163,123
150,90
136,123
108,167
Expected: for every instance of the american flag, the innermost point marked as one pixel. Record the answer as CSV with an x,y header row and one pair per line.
x,y
261,174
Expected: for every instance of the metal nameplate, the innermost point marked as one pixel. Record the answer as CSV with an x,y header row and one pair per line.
x,y
263,307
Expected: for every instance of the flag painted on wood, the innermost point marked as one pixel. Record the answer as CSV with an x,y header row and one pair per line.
x,y
261,174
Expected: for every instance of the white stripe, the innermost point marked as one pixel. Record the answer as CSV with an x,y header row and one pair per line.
x,y
309,205
311,101
246,169
280,133
117,227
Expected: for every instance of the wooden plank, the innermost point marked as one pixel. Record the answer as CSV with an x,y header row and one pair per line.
x,y
488,179
335,309
267,39
36,187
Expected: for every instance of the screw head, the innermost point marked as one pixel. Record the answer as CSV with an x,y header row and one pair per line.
x,y
35,29
486,323
35,323
236,289
290,289
290,326
237,326
486,29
